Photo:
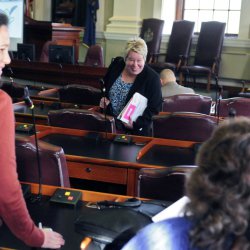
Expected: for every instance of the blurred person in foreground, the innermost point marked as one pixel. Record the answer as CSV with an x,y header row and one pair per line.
x,y
218,213
127,75
13,210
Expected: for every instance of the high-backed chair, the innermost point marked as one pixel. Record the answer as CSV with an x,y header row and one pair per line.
x,y
94,56
235,106
184,126
188,103
178,47
162,184
151,32
81,119
208,53
80,94
52,160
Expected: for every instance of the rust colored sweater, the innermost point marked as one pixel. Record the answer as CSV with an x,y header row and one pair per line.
x,y
13,209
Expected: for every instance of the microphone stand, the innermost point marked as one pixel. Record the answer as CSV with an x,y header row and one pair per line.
x,y
29,103
218,97
104,107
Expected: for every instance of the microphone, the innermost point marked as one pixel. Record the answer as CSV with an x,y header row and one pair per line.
x,y
103,89
30,105
11,75
219,90
232,113
27,99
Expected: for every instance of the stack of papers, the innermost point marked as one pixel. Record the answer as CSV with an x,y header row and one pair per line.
x,y
134,108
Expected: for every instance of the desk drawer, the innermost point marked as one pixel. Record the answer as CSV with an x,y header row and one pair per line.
x,y
94,172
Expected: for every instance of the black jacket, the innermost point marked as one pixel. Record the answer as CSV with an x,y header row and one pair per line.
x,y
147,83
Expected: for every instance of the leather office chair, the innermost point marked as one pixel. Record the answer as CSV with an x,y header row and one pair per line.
x,y
80,94
178,47
94,56
188,103
186,126
151,32
52,159
162,184
81,119
235,106
44,57
208,53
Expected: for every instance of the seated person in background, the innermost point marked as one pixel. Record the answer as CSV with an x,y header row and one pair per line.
x,y
128,75
218,214
13,210
169,85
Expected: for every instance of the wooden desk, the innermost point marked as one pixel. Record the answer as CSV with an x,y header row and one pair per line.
x,y
54,73
65,34
42,107
59,218
107,161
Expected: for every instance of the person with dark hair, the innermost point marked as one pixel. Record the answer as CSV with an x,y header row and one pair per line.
x,y
218,213
126,76
13,210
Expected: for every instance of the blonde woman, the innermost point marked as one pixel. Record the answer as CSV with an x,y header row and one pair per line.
x,y
127,75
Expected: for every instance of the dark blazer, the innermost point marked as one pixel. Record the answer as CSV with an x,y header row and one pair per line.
x,y
147,83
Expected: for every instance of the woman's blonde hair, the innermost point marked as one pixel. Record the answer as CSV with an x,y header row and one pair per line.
x,y
137,45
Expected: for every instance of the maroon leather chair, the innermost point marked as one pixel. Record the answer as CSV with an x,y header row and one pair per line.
x,y
80,94
235,106
186,126
81,119
178,47
52,159
162,184
208,53
188,103
94,56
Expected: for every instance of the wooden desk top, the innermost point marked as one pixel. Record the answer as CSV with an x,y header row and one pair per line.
x,y
58,217
41,109
79,145
55,73
90,196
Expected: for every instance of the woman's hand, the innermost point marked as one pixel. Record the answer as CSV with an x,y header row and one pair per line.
x,y
52,239
104,102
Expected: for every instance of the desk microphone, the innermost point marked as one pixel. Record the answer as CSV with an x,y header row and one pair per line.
x,y
30,105
219,89
232,113
11,75
27,99
103,90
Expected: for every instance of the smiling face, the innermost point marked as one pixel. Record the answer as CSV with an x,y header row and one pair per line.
x,y
4,46
134,63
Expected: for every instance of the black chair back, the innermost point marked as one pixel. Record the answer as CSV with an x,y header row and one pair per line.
x,y
151,32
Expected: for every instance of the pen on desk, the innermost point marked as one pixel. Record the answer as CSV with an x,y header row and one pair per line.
x,y
40,225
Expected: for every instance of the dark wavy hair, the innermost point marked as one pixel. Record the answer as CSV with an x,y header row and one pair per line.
x,y
3,19
219,189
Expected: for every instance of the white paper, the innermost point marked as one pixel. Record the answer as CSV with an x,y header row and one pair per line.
x,y
174,210
134,108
